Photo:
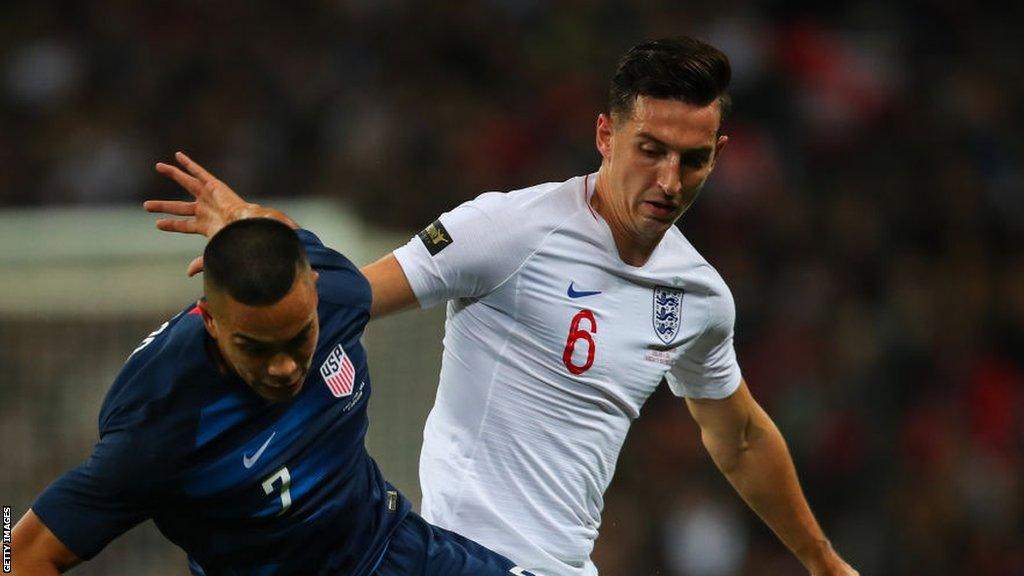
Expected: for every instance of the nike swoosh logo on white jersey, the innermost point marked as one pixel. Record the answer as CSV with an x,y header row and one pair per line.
x,y
580,293
248,461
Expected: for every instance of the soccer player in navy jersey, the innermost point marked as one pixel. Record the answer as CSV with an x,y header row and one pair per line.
x,y
238,427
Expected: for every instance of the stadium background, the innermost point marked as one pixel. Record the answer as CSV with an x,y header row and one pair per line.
x,y
868,214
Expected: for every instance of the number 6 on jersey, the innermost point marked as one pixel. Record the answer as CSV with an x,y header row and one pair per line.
x,y
576,334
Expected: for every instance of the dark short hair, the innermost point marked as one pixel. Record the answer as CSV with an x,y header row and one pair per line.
x,y
254,261
679,68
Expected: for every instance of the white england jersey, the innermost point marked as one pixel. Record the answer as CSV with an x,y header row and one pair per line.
x,y
552,344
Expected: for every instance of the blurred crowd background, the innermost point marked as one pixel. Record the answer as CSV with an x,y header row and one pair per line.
x,y
868,214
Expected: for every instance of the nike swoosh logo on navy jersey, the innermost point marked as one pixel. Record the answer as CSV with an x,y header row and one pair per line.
x,y
581,293
248,461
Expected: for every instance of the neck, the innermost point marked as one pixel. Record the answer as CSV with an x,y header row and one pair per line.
x,y
632,249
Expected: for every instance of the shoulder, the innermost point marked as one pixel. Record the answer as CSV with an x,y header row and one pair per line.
x,y
519,218
546,201
701,277
679,253
476,247
324,259
166,366
339,283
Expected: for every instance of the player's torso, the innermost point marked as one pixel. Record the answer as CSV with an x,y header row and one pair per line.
x,y
592,325
542,378
244,443
262,478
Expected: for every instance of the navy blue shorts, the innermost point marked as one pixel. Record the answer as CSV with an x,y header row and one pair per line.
x,y
418,548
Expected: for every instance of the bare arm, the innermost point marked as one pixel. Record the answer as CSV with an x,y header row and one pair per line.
x,y
35,551
750,451
391,290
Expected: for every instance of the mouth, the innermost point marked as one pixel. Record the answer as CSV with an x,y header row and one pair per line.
x,y
291,387
661,210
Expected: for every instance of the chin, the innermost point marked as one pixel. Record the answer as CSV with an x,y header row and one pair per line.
x,y
279,394
656,228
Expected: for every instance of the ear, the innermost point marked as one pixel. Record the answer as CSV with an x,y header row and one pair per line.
x,y
603,137
208,320
722,141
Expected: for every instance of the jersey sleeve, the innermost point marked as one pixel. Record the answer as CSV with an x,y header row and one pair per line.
x,y
708,368
467,252
110,493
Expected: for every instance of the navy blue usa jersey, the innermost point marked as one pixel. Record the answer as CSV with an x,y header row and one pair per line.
x,y
243,485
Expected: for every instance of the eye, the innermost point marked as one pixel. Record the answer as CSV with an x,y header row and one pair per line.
x,y
650,151
695,161
254,349
299,341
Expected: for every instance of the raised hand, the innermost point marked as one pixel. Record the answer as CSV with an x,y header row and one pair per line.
x,y
215,204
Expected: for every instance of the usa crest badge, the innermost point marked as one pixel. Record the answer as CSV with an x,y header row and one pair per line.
x,y
338,372
668,304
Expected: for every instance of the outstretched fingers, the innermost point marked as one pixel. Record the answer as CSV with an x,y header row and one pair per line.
x,y
175,207
181,226
192,185
194,168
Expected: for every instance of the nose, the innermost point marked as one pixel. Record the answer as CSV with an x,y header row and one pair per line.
x,y
669,179
282,366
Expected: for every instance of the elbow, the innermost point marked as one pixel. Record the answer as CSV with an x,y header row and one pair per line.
x,y
727,456
728,451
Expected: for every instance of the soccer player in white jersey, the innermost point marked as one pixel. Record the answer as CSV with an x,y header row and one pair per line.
x,y
568,303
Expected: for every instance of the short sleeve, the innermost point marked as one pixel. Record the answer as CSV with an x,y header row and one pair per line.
x,y
708,368
92,504
466,253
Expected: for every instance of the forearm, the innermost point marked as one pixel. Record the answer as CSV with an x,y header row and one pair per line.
x,y
759,467
35,551
29,568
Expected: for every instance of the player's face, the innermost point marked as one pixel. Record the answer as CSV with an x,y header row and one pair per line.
x,y
269,347
654,164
